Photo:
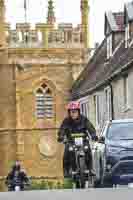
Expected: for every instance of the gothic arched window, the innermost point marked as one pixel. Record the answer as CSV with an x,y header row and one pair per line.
x,y
40,103
44,103
48,104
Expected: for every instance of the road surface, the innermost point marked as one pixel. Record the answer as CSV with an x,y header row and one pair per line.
x,y
93,194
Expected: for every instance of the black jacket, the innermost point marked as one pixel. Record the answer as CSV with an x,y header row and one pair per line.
x,y
82,125
20,179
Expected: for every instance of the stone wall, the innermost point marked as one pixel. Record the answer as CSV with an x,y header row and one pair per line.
x,y
122,111
28,139
7,113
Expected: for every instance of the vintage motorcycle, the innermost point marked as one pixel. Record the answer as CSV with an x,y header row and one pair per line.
x,y
78,144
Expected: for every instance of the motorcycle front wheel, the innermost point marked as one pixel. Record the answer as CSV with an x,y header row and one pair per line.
x,y
82,170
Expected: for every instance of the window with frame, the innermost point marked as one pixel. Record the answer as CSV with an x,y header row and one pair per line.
x,y
40,104
85,108
109,46
97,109
44,103
108,103
126,92
48,104
127,35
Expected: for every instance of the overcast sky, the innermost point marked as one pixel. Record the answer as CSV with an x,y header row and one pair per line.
x,y
66,11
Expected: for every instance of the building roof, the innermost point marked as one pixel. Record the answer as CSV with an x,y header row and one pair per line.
x,y
114,22
99,71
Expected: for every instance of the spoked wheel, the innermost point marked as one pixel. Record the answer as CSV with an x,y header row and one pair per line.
x,y
82,170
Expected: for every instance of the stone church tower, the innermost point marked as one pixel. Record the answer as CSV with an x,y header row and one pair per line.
x,y
38,67
7,100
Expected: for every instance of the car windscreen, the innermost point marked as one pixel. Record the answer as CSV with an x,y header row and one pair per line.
x,y
120,131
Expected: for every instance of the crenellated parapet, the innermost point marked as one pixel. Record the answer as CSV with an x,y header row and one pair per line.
x,y
44,35
47,35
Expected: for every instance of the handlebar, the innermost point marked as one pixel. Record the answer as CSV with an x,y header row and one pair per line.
x,y
73,136
87,136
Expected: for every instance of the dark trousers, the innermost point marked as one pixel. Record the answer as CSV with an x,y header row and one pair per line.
x,y
69,160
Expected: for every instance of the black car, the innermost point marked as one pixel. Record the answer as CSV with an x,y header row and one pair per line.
x,y
113,154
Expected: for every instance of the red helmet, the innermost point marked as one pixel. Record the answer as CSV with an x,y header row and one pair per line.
x,y
74,105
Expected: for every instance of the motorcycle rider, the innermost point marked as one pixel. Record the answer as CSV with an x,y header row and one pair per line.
x,y
17,177
75,123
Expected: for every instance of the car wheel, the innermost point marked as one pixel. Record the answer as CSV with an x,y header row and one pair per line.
x,y
98,182
107,183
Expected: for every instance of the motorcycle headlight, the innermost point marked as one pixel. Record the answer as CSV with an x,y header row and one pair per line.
x,y
86,147
71,148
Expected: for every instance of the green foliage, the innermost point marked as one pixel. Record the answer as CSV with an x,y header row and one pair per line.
x,y
11,163
45,185
68,184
